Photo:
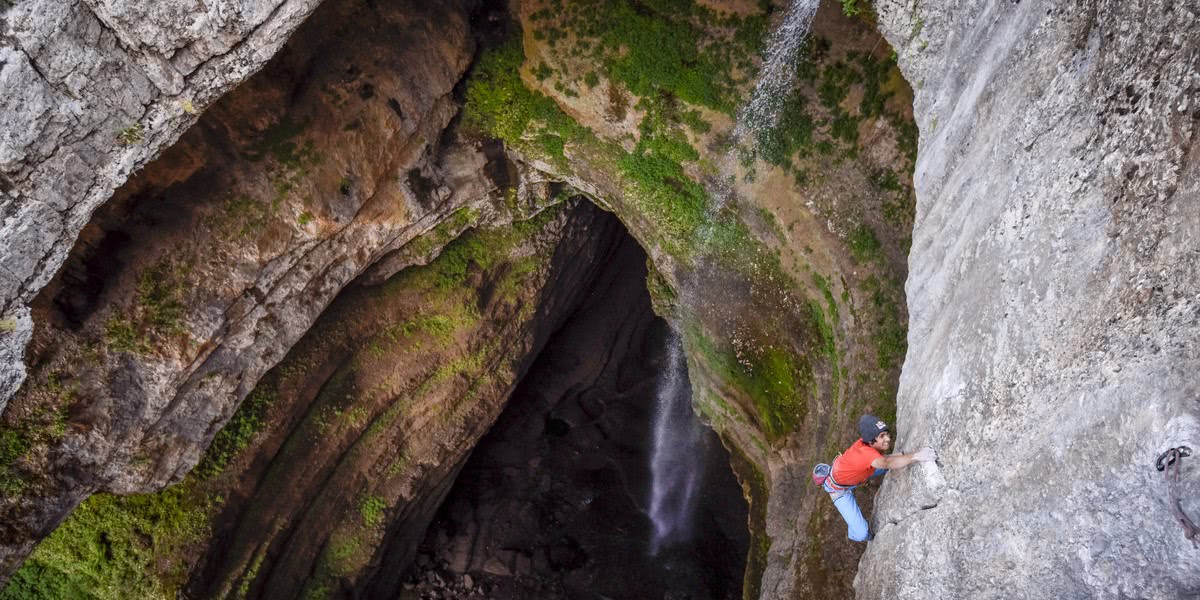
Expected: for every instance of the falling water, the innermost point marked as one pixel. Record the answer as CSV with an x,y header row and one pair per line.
x,y
675,464
779,69
759,115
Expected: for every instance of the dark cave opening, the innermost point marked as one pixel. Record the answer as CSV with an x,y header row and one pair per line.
x,y
553,501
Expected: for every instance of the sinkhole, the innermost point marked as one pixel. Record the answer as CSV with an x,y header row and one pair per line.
x,y
593,483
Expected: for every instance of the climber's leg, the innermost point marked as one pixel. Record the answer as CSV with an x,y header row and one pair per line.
x,y
847,506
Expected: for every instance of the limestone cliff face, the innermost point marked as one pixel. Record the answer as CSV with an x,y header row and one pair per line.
x,y
1054,303
89,92
203,270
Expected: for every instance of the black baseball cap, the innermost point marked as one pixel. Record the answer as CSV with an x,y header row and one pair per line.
x,y
870,426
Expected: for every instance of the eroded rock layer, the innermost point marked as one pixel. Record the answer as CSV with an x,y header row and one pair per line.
x,y
204,269
90,91
335,464
1055,308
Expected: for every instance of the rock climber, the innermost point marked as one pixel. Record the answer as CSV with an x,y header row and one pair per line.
x,y
863,460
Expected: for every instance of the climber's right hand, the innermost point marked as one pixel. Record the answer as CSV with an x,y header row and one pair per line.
x,y
925,455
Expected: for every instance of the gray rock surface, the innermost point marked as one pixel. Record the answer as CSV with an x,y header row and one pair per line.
x,y
91,90
260,245
1055,309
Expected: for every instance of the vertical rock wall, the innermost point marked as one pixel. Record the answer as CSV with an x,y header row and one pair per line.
x,y
1055,308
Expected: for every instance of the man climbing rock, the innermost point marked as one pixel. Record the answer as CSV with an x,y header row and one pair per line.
x,y
863,460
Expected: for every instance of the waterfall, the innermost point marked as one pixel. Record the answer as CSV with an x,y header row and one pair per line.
x,y
779,70
759,115
675,464
676,461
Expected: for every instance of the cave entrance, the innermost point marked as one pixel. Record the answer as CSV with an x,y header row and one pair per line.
x,y
556,499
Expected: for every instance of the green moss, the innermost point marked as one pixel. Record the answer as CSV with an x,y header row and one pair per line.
x,y
157,311
14,444
160,293
792,133
248,577
445,231
864,245
121,336
244,217
876,74
239,432
836,79
828,332
113,545
772,376
371,508
499,104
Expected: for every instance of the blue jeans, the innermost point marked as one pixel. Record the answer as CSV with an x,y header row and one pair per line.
x,y
847,506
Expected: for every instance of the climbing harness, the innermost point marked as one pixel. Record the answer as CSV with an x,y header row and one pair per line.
x,y
1168,465
822,475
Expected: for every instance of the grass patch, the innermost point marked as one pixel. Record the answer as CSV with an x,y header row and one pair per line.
x,y
864,245
773,377
499,103
688,50
371,508
112,546
239,432
157,312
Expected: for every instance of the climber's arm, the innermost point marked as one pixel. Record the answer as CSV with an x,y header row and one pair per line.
x,y
899,460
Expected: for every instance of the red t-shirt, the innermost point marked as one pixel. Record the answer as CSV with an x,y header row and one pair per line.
x,y
854,465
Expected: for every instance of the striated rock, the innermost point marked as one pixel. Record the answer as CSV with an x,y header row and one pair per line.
x,y
204,269
376,410
90,91
1054,305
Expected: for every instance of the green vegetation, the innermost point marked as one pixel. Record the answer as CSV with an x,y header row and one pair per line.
x,y
157,312
864,245
14,444
854,8
773,377
793,133
499,103
828,331
293,160
371,508
113,545
889,334
445,231
131,135
247,421
304,219
677,47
